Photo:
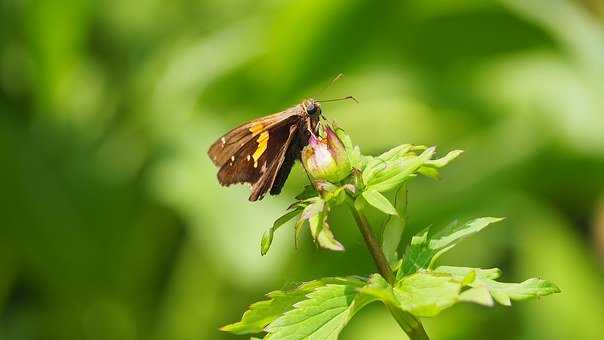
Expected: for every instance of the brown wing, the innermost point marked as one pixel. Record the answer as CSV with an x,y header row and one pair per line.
x,y
293,152
258,161
228,145
267,181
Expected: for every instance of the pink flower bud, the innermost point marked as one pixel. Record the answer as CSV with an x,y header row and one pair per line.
x,y
326,158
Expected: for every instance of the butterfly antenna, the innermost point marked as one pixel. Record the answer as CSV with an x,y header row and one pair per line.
x,y
340,75
337,99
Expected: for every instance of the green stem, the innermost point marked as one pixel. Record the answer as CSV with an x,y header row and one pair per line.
x,y
374,248
409,323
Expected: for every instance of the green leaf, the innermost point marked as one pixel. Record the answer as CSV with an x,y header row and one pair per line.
x,y
260,314
390,174
298,232
379,202
315,213
315,206
286,218
426,294
455,232
502,292
394,153
426,247
417,256
422,294
330,192
317,221
379,163
265,242
430,167
505,292
443,161
267,237
322,315
353,152
428,172
461,272
380,289
479,295
323,235
399,164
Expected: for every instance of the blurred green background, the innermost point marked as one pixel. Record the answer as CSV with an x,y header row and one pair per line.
x,y
113,225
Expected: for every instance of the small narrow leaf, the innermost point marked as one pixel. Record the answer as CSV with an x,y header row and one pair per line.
x,y
353,152
288,216
315,207
267,239
441,162
317,221
298,232
379,202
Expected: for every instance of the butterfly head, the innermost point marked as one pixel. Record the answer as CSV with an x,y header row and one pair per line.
x,y
312,107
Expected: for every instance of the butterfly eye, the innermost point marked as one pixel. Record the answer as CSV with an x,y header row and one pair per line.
x,y
311,108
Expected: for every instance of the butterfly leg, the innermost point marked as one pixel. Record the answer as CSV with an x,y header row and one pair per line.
x,y
310,129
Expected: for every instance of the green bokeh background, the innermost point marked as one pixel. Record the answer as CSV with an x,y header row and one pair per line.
x,y
113,226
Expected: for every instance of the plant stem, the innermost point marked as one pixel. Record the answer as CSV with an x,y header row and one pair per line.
x,y
409,323
374,248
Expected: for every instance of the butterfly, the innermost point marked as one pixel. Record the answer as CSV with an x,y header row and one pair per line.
x,y
262,152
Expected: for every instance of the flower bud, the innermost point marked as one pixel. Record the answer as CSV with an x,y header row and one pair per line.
x,y
326,158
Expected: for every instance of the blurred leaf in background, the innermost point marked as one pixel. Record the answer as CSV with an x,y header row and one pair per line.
x,y
113,224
